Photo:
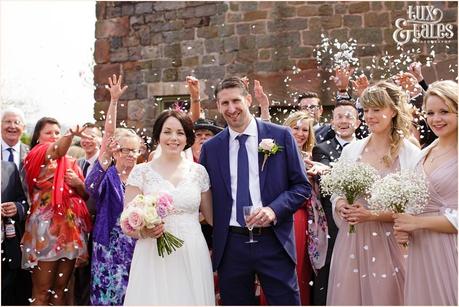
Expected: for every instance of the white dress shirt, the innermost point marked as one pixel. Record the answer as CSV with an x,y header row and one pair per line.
x,y
252,153
16,152
342,141
91,162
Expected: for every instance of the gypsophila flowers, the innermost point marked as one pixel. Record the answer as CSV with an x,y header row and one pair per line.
x,y
350,180
401,192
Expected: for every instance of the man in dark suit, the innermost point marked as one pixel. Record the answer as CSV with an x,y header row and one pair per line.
x,y
275,188
82,274
310,102
16,283
13,150
345,121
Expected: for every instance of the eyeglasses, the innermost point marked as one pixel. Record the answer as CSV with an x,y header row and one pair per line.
x,y
127,151
311,107
11,122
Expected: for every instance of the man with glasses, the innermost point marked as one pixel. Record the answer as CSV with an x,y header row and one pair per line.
x,y
13,125
310,102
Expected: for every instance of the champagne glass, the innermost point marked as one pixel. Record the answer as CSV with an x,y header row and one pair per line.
x,y
248,210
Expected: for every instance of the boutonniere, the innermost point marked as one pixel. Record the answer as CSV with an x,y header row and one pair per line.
x,y
268,147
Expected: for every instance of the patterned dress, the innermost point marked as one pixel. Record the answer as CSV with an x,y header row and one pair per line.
x,y
112,249
50,236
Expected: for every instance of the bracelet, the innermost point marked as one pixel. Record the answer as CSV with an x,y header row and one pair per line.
x,y
195,100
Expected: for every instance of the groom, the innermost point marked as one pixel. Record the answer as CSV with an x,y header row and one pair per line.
x,y
275,190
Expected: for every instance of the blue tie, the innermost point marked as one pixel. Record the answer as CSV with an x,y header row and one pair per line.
x,y
11,157
243,191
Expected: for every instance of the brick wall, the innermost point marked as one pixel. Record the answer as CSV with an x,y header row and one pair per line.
x,y
155,45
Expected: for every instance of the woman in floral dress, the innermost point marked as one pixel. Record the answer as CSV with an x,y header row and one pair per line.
x,y
54,237
112,249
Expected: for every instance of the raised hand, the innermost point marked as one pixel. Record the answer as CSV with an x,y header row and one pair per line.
x,y
193,87
260,95
115,87
245,80
360,84
342,77
79,131
408,82
416,69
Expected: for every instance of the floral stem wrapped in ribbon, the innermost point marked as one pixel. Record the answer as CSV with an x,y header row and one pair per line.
x,y
268,147
401,192
350,180
147,211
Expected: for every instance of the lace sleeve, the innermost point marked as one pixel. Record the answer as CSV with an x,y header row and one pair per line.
x,y
136,177
202,178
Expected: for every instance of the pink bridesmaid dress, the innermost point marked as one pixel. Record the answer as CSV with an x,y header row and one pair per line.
x,y
432,273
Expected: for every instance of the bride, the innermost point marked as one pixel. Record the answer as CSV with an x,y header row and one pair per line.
x,y
185,276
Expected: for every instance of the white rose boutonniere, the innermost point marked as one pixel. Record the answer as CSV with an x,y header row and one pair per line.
x,y
268,147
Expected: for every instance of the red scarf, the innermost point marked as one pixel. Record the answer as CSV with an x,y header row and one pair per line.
x,y
62,198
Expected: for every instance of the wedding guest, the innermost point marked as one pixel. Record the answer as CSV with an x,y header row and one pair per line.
x,y
431,276
13,125
16,290
79,287
275,190
112,249
14,150
344,122
367,267
310,102
309,220
185,276
55,230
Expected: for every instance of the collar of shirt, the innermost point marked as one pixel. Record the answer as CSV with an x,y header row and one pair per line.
x,y
17,147
251,130
342,141
317,126
93,158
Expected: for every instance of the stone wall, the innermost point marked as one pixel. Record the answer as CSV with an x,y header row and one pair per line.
x,y
155,45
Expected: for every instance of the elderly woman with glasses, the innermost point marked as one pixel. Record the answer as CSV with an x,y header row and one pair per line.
x,y
112,249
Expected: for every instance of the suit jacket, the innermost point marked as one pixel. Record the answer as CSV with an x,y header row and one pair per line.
x,y
12,191
90,203
327,152
323,133
283,184
23,151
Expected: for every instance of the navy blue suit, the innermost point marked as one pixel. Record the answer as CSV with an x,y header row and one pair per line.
x,y
284,188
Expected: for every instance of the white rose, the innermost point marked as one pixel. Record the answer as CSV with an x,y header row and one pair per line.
x,y
151,217
267,144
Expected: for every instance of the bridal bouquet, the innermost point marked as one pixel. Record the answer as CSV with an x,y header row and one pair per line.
x,y
147,211
350,180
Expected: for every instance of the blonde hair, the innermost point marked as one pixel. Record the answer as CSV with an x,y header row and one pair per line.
x,y
446,90
385,94
292,121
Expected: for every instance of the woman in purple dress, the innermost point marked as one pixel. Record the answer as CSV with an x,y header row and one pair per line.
x,y
431,276
112,249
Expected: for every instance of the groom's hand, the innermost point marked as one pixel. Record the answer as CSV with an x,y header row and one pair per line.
x,y
262,218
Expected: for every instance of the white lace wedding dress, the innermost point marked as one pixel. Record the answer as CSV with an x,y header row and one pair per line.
x,y
184,277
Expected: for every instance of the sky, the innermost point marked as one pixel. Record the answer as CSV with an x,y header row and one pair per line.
x,y
47,59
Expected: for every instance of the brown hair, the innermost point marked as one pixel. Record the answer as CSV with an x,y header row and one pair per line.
x,y
39,126
182,117
307,95
232,82
385,94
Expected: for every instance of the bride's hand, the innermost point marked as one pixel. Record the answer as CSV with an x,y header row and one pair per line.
x,y
154,232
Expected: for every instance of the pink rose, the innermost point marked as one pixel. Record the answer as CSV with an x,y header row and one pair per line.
x,y
135,218
267,144
126,227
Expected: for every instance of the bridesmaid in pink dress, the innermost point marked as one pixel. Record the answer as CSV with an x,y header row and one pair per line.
x,y
432,274
368,267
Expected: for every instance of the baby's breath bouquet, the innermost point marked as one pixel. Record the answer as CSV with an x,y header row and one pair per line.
x,y
350,180
401,192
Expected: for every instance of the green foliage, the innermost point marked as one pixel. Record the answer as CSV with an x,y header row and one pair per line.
x,y
26,138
